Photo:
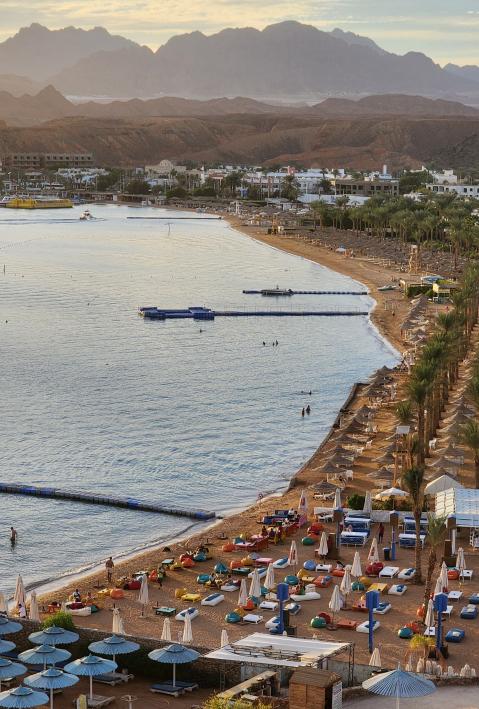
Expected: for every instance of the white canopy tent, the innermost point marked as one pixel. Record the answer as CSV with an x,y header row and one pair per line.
x,y
463,503
441,484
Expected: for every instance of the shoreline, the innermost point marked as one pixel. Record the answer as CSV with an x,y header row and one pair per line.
x,y
302,475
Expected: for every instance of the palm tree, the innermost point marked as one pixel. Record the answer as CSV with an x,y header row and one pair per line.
x,y
413,482
404,412
417,390
469,435
436,534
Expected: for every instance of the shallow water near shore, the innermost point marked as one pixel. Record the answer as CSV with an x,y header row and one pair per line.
x,y
94,397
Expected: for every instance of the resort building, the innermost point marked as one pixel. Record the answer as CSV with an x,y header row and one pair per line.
x,y
37,161
460,189
366,187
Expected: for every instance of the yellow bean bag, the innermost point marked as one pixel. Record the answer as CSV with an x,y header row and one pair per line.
x,y
366,581
180,592
191,597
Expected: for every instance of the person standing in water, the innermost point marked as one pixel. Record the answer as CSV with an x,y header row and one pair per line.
x,y
13,536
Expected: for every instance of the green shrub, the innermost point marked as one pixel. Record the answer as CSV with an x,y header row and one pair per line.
x,y
61,619
355,502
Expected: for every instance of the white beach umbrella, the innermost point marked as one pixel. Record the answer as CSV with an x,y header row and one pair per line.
x,y
460,562
243,594
390,492
356,570
444,578
34,612
438,588
293,554
429,619
143,595
117,623
166,632
337,499
375,659
19,596
335,604
255,586
3,604
303,503
187,630
323,549
346,585
269,581
224,638
368,503
373,556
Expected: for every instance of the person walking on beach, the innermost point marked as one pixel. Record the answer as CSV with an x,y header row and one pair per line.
x,y
109,565
13,536
380,533
302,413
308,409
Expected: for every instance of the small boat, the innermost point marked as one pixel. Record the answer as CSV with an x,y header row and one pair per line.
x,y
86,216
276,292
388,287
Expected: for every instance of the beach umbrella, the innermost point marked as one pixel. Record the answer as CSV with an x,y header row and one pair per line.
x,y
356,570
9,626
174,655
399,684
114,645
269,581
373,555
3,604
375,659
323,549
293,554
50,680
22,698
346,585
390,492
10,669
19,596
255,586
429,619
337,499
34,612
143,595
335,601
166,632
303,503
44,655
6,646
243,594
53,636
187,631
444,577
368,503
117,627
90,666
438,588
460,562
224,638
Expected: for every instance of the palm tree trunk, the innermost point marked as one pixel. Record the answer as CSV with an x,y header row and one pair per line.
x,y
420,435
430,570
418,550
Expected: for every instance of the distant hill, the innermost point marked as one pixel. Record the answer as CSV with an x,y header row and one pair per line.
x,y
285,61
393,104
18,85
468,72
37,52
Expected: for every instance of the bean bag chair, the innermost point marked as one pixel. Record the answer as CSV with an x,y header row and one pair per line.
x,y
221,568
405,633
116,593
94,608
185,556
307,541
187,563
153,576
316,528
203,578
366,581
338,572
318,622
474,599
180,592
233,617
469,612
358,586
414,626
455,635
235,564
250,604
323,581
228,547
309,565
201,556
326,617
291,580
420,611
133,585
453,574
247,561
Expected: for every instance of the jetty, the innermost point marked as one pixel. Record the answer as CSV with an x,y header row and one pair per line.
x,y
281,292
199,313
95,499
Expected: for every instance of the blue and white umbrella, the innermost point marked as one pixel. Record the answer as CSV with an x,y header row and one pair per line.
x,y
399,684
44,655
90,666
113,645
51,679
53,636
10,669
22,698
6,646
174,655
9,626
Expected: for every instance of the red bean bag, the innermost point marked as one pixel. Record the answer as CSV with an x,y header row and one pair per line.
x,y
133,585
338,571
324,615
235,564
116,593
453,574
316,528
187,563
420,611
185,556
228,547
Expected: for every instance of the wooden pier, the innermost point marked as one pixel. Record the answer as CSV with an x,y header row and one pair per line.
x,y
201,313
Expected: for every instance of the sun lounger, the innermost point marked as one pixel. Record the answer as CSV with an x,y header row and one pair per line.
x,y
469,612
389,572
272,623
325,568
261,572
113,678
354,539
409,540
252,618
97,700
229,587
268,605
192,612
309,596
186,686
167,689
383,608
454,595
397,589
263,561
447,613
292,608
406,574
364,627
165,611
281,563
467,574
213,599
379,587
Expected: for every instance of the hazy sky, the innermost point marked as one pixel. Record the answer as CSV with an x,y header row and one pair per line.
x,y
446,30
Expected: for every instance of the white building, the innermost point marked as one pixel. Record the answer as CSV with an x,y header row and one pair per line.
x,y
464,191
447,177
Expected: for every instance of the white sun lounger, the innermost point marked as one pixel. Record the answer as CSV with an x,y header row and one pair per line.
x,y
213,599
454,595
97,700
252,618
388,572
229,587
192,612
364,627
268,605
430,632
406,574
398,589
281,563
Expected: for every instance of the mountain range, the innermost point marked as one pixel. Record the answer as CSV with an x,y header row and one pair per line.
x,y
288,61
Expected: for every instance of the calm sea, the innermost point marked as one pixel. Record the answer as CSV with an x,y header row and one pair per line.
x,y
94,397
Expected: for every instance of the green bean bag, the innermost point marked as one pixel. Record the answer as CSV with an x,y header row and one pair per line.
x,y
318,622
405,633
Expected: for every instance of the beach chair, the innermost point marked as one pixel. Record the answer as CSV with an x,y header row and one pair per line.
x,y
406,574
389,572
379,587
454,595
113,678
252,618
213,599
191,597
167,689
268,605
397,589
383,608
97,700
364,627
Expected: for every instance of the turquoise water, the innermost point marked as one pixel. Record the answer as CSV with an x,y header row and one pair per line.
x,y
94,397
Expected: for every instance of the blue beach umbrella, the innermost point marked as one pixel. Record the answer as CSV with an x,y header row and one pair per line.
x,y
22,698
6,646
44,655
399,684
174,655
51,679
53,636
10,669
113,645
9,626
90,666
